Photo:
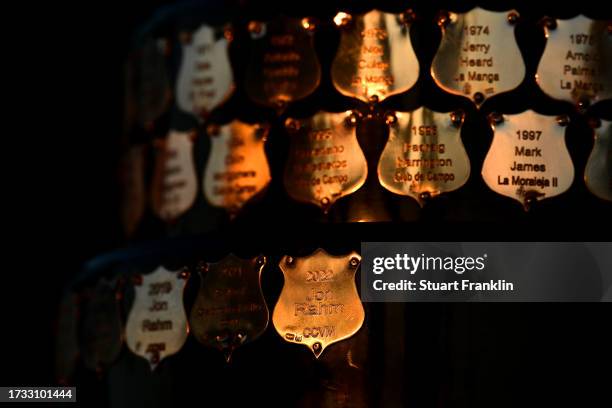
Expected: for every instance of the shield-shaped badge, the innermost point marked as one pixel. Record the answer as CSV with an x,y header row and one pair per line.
x,y
424,155
478,56
230,309
325,160
205,77
157,323
174,185
101,327
283,66
598,172
237,168
528,159
319,304
67,340
576,65
375,58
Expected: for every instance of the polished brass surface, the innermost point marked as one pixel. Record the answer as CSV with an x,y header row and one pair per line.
x,y
237,168
478,56
424,155
576,65
375,58
230,309
325,160
528,159
319,304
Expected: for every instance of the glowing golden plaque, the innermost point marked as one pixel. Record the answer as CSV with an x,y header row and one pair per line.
x,y
424,156
325,160
205,77
478,56
576,65
230,309
237,167
598,173
375,57
157,323
174,186
319,304
283,66
528,159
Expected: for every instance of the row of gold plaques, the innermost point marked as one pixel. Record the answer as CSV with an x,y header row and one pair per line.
x,y
318,306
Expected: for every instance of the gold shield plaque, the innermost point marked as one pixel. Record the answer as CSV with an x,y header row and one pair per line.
x,y
576,65
424,155
237,167
157,323
101,326
174,185
283,66
319,304
230,309
528,159
598,172
478,56
375,58
205,77
325,160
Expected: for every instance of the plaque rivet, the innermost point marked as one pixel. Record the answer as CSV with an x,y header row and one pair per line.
x,y
550,23
391,119
496,118
184,273
325,202
443,19
343,19
203,267
582,106
512,17
407,17
316,347
292,125
531,197
308,24
261,260
563,120
456,118
373,99
255,27
155,358
479,98
213,130
354,262
290,261
425,196
351,119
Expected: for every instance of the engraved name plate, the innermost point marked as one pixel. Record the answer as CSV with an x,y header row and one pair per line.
x,y
67,341
205,77
133,195
174,185
325,160
283,66
375,58
319,304
230,309
478,56
576,65
101,328
424,156
598,172
237,167
528,159
157,323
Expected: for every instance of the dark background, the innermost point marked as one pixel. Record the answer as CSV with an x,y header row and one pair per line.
x,y
64,196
